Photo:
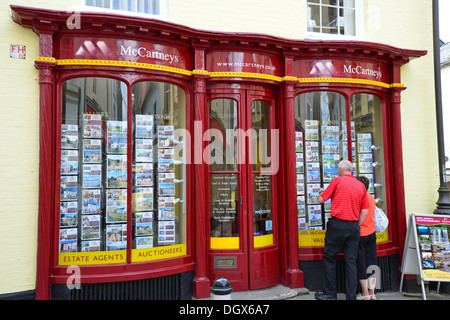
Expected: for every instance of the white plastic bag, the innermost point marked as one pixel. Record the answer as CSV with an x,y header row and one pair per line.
x,y
381,220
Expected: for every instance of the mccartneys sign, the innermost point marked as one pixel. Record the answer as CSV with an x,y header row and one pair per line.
x,y
363,71
145,53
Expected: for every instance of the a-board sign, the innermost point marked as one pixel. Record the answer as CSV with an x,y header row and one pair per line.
x,y
427,248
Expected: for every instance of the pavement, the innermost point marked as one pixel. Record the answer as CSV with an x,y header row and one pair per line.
x,y
280,292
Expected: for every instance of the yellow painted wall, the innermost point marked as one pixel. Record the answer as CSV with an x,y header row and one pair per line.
x,y
385,21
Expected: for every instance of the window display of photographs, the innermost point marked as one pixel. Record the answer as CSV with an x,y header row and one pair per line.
x,y
91,203
312,151
116,237
143,199
313,172
144,150
299,163
68,207
313,193
301,211
144,126
166,165
92,126
144,223
364,142
166,189
144,242
330,164
117,137
166,154
300,185
165,136
117,171
90,227
365,163
68,240
92,151
69,162
69,136
166,232
330,133
90,246
69,188
144,174
68,219
116,205
311,129
298,141
92,176
315,216
166,208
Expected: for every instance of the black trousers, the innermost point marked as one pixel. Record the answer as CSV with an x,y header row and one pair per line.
x,y
341,235
367,255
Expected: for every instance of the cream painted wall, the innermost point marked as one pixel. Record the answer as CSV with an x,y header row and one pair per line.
x,y
384,21
411,27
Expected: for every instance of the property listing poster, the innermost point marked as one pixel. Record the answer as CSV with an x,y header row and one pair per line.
x,y
434,246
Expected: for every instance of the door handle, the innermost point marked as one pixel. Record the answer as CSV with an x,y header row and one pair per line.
x,y
245,212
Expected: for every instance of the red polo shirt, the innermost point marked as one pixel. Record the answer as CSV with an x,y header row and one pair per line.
x,y
348,197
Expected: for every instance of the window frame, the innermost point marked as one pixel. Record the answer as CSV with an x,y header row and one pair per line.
x,y
310,35
129,269
162,10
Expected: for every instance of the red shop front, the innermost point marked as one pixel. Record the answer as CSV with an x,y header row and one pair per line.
x,y
171,156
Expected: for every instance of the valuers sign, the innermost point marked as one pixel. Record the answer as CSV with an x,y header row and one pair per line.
x,y
123,50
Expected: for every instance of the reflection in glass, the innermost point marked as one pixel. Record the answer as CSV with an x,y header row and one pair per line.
x,y
261,149
93,203
367,118
224,205
223,150
159,172
320,144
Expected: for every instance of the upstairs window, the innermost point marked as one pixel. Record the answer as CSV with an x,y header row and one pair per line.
x,y
332,17
148,7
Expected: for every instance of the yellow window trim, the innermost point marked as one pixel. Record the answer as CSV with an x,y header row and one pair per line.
x,y
148,66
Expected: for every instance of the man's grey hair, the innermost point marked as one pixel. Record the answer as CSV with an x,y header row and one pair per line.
x,y
346,165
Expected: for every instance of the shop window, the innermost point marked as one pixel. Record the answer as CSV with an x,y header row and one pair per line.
x,y
321,142
369,150
262,179
153,7
336,17
224,175
96,180
159,186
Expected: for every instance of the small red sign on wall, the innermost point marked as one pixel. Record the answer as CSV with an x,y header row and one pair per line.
x,y
17,51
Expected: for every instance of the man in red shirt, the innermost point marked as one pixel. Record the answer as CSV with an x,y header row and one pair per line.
x,y
349,207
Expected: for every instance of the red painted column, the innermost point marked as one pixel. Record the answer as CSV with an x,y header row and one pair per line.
x,y
397,149
295,276
201,285
46,166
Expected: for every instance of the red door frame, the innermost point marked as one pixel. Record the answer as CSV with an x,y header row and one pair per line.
x,y
252,263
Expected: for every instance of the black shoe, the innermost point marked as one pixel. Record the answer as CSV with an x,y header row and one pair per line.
x,y
322,296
